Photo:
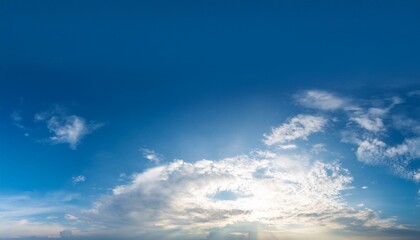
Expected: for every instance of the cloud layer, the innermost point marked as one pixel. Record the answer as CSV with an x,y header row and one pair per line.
x,y
264,187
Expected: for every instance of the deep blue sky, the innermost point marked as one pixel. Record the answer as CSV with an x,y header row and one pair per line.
x,y
199,80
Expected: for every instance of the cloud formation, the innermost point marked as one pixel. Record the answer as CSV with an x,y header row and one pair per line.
x,y
367,122
66,128
298,127
397,158
227,198
322,100
33,215
268,188
151,155
78,179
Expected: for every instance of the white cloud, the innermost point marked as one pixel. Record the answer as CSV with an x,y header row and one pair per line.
x,y
78,179
364,187
318,148
417,175
372,118
397,158
280,191
70,217
371,124
287,146
65,128
371,151
151,155
322,100
298,127
69,129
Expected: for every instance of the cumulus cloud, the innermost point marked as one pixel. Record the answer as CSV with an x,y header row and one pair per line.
x,y
66,128
216,199
322,100
277,190
298,127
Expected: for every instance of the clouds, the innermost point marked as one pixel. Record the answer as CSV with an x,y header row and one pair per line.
x,y
366,125
322,100
70,217
298,127
291,187
397,158
62,127
151,155
29,215
25,228
78,179
266,187
67,128
277,190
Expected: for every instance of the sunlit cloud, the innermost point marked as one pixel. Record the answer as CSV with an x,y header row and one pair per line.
x,y
298,127
279,191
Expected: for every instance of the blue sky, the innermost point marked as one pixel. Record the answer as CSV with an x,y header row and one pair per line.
x,y
209,120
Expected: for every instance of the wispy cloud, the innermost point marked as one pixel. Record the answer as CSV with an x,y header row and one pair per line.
x,y
397,158
151,155
65,128
298,127
367,122
322,100
78,179
29,215
70,217
69,129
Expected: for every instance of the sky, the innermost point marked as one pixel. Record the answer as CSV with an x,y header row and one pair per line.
x,y
205,120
